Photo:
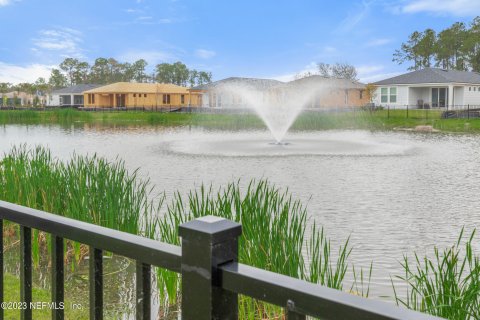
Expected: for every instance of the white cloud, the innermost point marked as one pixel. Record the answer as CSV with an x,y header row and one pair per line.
x,y
151,56
29,73
205,54
7,2
355,17
370,73
133,11
309,68
455,7
378,42
66,41
379,76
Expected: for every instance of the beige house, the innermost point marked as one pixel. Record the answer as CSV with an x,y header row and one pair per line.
x,y
146,95
20,98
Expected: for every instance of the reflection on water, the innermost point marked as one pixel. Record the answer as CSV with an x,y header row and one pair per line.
x,y
394,193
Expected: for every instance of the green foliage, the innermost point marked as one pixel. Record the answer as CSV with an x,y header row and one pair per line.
x,y
456,47
447,285
273,238
104,193
178,73
89,189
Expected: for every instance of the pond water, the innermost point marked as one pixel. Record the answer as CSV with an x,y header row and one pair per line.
x,y
393,193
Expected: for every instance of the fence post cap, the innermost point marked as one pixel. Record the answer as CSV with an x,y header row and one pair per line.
x,y
215,229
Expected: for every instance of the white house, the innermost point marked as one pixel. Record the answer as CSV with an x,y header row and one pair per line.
x,y
430,88
71,96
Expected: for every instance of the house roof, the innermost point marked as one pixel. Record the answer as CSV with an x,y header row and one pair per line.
x,y
127,87
17,94
433,75
249,82
317,80
79,88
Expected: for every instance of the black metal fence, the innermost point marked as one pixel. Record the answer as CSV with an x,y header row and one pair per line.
x,y
212,278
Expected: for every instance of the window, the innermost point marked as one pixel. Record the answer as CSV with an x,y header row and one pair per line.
x,y
166,99
361,94
469,88
384,95
144,95
93,98
474,88
182,99
393,95
134,95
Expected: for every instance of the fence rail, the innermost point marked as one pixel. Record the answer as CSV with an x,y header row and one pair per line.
x,y
212,278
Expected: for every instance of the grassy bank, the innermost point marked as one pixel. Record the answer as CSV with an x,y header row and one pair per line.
x,y
358,119
12,294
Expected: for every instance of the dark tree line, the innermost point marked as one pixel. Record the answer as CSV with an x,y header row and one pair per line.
x,y
454,48
105,71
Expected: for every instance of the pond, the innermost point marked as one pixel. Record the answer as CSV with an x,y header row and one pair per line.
x,y
392,193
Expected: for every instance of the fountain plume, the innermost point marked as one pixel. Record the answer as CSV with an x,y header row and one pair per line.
x,y
278,107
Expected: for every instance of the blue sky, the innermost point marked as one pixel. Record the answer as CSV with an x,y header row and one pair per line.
x,y
269,39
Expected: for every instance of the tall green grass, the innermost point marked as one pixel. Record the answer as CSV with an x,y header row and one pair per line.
x,y
89,189
274,238
94,190
445,285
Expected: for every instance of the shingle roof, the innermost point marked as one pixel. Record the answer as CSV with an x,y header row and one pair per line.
x,y
253,82
433,75
327,81
128,87
80,88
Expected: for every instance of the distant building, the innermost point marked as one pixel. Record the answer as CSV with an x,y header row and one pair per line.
x,y
322,92
71,96
225,92
20,98
147,95
430,87
327,92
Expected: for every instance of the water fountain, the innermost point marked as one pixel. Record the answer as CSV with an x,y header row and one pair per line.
x,y
278,107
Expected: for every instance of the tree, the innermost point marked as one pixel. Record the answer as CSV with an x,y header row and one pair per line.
x,y
371,90
99,71
472,45
426,48
409,51
164,73
204,77
324,69
344,71
180,74
5,87
57,79
193,77
337,70
456,47
69,66
80,73
449,54
138,70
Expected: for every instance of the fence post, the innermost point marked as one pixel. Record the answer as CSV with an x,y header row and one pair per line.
x,y
207,242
